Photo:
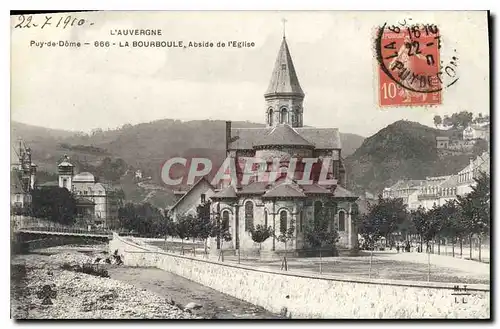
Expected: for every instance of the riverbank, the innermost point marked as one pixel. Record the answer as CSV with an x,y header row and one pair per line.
x,y
42,290
128,293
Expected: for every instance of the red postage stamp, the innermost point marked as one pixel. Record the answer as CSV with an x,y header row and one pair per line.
x,y
409,65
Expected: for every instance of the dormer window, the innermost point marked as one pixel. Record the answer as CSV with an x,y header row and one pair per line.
x,y
283,66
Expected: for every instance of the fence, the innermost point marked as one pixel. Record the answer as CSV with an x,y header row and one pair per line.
x,y
307,295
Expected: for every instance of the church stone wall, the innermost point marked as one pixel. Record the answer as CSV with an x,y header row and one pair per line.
x,y
274,208
293,106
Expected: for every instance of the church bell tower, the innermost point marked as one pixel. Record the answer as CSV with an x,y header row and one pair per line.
x,y
65,171
284,96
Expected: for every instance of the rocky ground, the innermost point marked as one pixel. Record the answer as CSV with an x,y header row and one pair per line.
x,y
41,289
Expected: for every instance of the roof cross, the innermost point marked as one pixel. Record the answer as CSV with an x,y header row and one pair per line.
x,y
284,23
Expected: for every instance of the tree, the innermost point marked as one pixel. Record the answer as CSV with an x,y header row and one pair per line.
x,y
475,209
55,204
447,122
286,235
204,225
168,229
383,219
435,218
318,233
418,218
260,234
437,120
220,230
458,120
144,218
452,225
182,228
430,228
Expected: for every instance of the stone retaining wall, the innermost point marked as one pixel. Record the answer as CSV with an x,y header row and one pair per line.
x,y
307,295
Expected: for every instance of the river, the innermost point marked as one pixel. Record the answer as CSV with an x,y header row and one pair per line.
x,y
130,292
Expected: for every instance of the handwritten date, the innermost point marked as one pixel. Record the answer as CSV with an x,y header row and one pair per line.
x,y
67,21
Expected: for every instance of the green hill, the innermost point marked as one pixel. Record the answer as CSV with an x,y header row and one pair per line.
x,y
144,146
402,150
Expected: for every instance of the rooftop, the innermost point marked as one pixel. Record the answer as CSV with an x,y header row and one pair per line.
x,y
285,135
284,79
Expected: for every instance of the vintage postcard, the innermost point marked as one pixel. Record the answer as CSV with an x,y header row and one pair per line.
x,y
250,165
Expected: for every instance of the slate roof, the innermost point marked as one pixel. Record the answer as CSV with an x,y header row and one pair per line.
x,y
253,188
320,138
315,189
285,190
227,193
284,78
482,162
282,134
452,181
341,192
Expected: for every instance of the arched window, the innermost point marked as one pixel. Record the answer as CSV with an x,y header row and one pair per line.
x,y
248,216
265,218
341,221
284,115
225,220
318,212
270,116
283,221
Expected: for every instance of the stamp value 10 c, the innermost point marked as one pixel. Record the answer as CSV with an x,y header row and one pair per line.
x,y
409,65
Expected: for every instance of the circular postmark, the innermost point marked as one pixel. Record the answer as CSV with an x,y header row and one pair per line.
x,y
410,56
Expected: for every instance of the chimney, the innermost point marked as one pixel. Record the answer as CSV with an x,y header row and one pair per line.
x,y
228,135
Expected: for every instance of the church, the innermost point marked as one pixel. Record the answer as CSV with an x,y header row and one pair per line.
x,y
284,201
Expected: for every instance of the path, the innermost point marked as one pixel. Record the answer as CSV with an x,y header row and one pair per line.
x,y
385,264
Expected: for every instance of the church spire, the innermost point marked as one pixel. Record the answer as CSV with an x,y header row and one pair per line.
x,y
284,79
284,96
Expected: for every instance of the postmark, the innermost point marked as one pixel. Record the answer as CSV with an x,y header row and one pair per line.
x,y
410,69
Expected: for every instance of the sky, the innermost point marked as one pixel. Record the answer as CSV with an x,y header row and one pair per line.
x,y
333,53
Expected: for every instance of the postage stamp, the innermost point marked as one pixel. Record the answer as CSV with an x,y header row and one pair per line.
x,y
409,65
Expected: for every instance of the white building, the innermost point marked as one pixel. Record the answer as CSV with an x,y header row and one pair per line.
x,y
188,202
93,199
477,132
436,191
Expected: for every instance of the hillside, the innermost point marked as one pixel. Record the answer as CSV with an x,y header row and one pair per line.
x,y
402,150
144,146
